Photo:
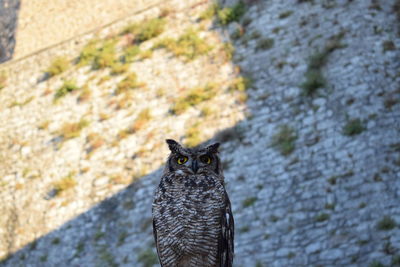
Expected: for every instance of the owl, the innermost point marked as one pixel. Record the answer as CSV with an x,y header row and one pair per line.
x,y
193,224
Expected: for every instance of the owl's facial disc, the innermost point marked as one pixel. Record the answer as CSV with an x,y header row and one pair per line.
x,y
193,160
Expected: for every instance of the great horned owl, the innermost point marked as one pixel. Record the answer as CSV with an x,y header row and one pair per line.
x,y
192,219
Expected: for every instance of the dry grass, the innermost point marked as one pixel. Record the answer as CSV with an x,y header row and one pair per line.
x,y
65,183
58,66
3,79
193,135
194,97
147,30
85,94
130,82
95,141
142,119
284,140
69,86
73,130
189,45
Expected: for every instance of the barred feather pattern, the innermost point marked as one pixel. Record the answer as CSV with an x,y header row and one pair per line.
x,y
192,221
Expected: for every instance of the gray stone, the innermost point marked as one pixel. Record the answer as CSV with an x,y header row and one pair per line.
x,y
314,247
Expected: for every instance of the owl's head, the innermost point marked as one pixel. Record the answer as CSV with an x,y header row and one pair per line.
x,y
193,160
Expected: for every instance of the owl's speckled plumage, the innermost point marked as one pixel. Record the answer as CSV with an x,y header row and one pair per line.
x,y
192,220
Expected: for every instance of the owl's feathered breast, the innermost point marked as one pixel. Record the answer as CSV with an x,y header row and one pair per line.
x,y
187,215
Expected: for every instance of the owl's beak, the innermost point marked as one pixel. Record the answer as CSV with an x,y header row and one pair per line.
x,y
195,166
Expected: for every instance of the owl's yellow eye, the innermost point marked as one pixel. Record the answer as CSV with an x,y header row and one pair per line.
x,y
181,160
205,159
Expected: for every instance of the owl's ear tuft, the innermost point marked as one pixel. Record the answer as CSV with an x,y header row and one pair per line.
x,y
213,148
173,145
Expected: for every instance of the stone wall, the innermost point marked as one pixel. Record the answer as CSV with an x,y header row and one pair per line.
x,y
312,160
8,24
41,24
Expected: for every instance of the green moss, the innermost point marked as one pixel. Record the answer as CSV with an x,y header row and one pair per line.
x,y
291,255
396,9
79,249
73,130
330,206
105,55
322,217
229,51
386,224
201,94
255,35
151,29
240,84
107,257
193,97
314,80
59,65
146,30
99,235
396,260
353,127
333,179
244,229
88,53
145,54
376,264
121,238
55,241
99,54
23,103
249,202
389,102
224,15
67,87
284,140
130,82
130,53
388,46
119,68
285,14
43,258
148,258
210,12
318,60
206,111
230,14
237,34
65,183
33,245
273,218
314,77
189,45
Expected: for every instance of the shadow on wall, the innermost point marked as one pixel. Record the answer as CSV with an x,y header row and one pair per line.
x,y
8,25
108,233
